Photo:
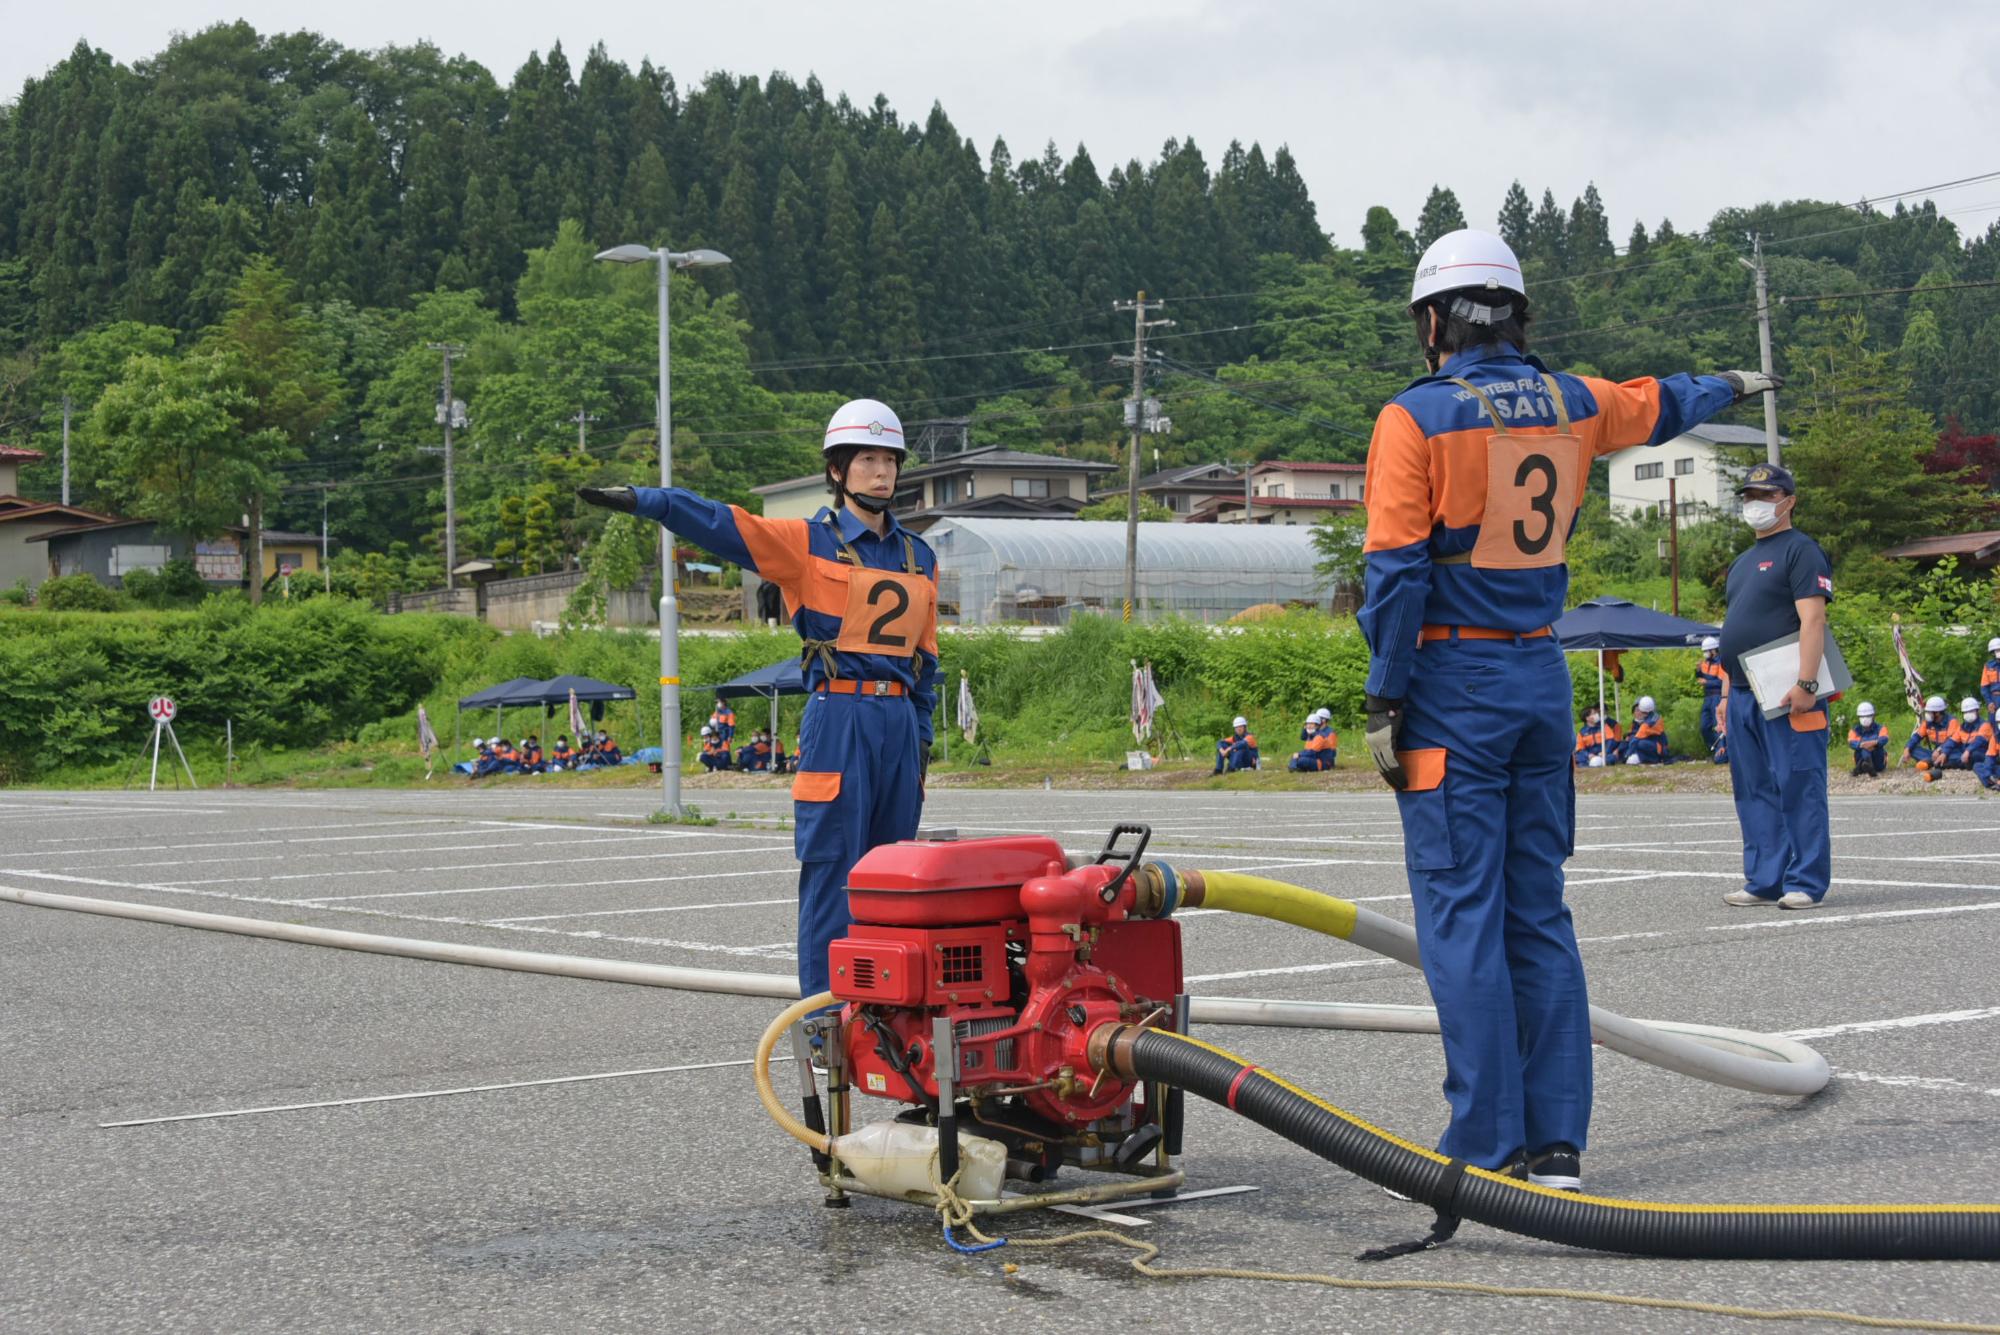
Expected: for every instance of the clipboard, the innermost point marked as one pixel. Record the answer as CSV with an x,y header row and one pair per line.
x,y
1773,669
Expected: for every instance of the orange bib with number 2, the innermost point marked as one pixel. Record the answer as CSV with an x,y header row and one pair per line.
x,y
888,613
1531,491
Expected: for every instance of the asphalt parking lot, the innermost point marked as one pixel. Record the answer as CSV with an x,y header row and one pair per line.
x,y
588,1156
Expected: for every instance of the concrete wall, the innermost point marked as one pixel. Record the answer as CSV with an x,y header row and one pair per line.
x,y
21,559
463,601
516,604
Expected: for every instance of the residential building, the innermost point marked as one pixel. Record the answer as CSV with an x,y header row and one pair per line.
x,y
110,549
990,481
1180,490
23,521
1288,493
1975,551
795,497
1704,464
12,457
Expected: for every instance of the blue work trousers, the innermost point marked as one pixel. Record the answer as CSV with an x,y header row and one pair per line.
x,y
858,786
1485,850
1709,729
1871,759
1778,774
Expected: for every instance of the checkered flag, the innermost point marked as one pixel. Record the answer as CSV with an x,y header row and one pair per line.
x,y
427,739
1913,681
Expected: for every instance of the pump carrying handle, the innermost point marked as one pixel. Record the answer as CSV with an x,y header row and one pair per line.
x,y
1110,853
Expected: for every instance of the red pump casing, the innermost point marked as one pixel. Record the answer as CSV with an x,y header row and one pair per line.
x,y
1022,955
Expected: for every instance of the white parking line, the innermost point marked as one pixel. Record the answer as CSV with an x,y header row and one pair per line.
x,y
487,865
1941,1084
541,885
657,908
1901,1022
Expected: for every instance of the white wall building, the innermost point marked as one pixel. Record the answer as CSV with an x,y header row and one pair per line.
x,y
1705,465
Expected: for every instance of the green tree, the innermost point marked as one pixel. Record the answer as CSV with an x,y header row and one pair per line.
x,y
174,448
1441,215
1339,538
1115,507
1516,216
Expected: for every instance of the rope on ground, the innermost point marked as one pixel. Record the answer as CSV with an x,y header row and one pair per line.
x,y
956,1212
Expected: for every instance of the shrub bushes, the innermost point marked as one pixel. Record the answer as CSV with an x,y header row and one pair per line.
x,y
75,593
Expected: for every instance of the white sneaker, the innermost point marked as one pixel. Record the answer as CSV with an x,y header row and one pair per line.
x,y
1798,899
1743,899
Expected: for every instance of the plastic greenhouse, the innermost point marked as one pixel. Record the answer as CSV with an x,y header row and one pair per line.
x,y
1044,570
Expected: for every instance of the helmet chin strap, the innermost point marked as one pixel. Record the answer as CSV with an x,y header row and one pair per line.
x,y
874,505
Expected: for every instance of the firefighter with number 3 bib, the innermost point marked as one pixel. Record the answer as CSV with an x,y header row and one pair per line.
x,y
1475,473
862,593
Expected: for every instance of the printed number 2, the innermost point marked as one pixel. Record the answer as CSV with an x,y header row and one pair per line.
x,y
878,632
1542,504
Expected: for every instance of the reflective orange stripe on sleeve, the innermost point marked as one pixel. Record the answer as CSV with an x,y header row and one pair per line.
x,y
778,546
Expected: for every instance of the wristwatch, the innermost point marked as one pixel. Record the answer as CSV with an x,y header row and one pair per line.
x,y
1808,685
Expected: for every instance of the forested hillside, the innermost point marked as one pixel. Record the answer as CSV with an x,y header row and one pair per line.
x,y
264,235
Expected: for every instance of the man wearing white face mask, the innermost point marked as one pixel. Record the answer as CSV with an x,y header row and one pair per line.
x,y
1777,767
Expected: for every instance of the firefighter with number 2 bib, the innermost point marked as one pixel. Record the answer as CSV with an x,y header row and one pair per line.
x,y
862,593
1474,476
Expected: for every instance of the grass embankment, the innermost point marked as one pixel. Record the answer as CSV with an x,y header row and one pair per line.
x,y
324,694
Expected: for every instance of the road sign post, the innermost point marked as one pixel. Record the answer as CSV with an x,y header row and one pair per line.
x,y
162,709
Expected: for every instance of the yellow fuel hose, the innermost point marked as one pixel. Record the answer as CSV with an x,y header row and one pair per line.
x,y
1760,1063
760,1069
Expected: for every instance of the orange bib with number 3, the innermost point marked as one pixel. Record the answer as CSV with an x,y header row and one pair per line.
x,y
1532,491
888,613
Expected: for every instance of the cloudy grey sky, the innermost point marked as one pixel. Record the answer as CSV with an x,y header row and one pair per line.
x,y
1675,110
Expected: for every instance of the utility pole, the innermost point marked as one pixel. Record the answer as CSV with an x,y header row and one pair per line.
x,y
66,412
1135,411
325,571
583,420
1674,539
1756,266
448,417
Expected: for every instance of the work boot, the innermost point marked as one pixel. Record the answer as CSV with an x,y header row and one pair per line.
x,y
1559,1167
1744,899
1797,899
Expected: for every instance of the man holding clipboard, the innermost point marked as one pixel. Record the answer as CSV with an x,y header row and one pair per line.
x,y
1775,629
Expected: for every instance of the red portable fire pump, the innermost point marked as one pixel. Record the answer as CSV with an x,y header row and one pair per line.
x,y
972,977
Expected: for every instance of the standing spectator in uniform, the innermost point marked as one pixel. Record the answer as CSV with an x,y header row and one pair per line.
x,y
1869,741
1989,680
723,719
1708,671
1777,766
1474,476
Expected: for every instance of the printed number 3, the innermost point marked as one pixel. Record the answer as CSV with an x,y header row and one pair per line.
x,y
1542,504
878,632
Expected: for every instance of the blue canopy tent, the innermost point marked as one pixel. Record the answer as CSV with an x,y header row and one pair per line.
x,y
531,692
785,677
1615,625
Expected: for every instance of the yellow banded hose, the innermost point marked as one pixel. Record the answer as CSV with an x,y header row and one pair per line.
x,y
760,1069
1739,1059
1602,1223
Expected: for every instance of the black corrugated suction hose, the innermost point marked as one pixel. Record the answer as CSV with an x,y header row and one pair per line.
x,y
1641,1228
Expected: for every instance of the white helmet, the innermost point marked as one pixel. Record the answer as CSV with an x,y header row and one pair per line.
x,y
866,422
1934,705
707,731
1866,711
1993,645
1646,705
1239,722
1968,706
1469,258
1710,642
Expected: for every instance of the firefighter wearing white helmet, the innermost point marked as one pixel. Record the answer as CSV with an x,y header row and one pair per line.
x,y
1989,680
1869,741
1708,672
1969,741
1648,743
1474,476
1237,749
861,591
1930,731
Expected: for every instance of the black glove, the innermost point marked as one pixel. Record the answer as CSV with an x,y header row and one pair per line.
x,y
1385,737
611,498
1746,383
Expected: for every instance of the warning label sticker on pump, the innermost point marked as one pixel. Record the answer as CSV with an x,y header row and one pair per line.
x,y
877,1084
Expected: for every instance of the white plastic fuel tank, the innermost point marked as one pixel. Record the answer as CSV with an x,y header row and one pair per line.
x,y
897,1157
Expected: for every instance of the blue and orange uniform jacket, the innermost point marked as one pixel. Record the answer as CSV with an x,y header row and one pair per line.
x,y
1427,493
1649,739
1589,740
562,755
723,720
531,757
1963,746
1711,674
1989,686
869,618
1874,737
1927,738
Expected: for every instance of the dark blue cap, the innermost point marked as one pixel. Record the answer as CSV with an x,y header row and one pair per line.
x,y
1769,477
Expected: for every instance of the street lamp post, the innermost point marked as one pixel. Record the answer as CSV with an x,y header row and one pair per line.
x,y
670,617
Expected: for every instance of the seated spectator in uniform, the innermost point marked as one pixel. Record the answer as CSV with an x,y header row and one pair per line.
x,y
1597,742
1932,725
1869,741
1322,745
508,758
1237,751
756,754
483,762
607,750
561,757
531,754
714,751
1965,743
780,762
1648,743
